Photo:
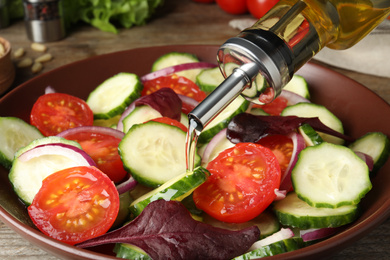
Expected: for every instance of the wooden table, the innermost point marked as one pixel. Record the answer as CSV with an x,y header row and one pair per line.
x,y
178,22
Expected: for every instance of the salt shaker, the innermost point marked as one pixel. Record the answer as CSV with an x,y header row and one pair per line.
x,y
44,20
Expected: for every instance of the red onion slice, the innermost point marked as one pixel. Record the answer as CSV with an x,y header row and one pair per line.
x,y
126,185
314,234
49,89
127,111
367,159
72,154
177,68
280,194
284,233
217,144
299,145
93,129
188,104
293,98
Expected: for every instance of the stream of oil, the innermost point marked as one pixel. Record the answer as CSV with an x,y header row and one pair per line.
x,y
191,141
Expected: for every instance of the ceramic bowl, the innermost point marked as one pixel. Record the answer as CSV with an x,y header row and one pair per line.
x,y
358,108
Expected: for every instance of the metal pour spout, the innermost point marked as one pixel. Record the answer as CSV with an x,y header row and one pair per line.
x,y
223,95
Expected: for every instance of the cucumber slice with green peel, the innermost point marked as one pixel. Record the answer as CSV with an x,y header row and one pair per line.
x,y
298,85
184,119
46,140
33,166
189,203
123,216
323,114
266,222
177,188
279,247
154,152
239,105
331,176
111,122
374,144
310,135
176,58
294,212
258,112
112,97
209,79
15,133
128,251
139,115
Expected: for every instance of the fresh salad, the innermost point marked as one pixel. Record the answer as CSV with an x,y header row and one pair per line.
x,y
111,169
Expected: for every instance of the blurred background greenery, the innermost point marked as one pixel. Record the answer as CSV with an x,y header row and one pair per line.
x,y
106,15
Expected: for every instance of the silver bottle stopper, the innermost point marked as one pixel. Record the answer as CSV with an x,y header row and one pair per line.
x,y
251,69
44,20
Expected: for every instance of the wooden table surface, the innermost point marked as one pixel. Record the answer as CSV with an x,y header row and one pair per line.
x,y
178,22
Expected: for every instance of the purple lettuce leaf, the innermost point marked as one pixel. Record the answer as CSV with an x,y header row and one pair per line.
x,y
246,127
166,230
165,101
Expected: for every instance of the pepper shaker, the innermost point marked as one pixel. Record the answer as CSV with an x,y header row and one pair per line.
x,y
44,20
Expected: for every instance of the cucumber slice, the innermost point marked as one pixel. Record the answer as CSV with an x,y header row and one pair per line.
x,y
209,79
26,176
294,212
154,152
176,58
189,203
139,115
266,222
123,216
111,97
329,175
279,247
112,122
258,112
239,105
184,119
310,135
325,116
298,85
177,188
374,144
128,251
14,134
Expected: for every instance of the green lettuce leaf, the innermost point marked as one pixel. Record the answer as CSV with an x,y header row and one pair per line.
x,y
106,15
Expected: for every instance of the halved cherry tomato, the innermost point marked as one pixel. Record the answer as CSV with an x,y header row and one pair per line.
x,y
103,149
258,8
181,85
170,121
233,6
75,204
275,107
55,112
281,146
241,185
